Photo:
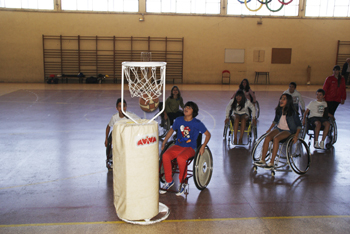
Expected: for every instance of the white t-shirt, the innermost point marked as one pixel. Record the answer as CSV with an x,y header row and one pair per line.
x,y
248,105
316,108
296,98
115,118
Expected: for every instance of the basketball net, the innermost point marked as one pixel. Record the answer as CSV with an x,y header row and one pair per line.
x,y
147,86
142,83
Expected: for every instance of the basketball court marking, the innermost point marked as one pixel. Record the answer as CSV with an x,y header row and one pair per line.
x,y
181,220
214,125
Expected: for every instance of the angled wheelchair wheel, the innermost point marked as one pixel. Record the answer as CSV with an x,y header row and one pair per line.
x,y
299,157
161,168
109,153
257,108
202,168
257,148
304,129
332,134
226,128
255,132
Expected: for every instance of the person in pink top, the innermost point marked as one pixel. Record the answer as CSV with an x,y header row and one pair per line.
x,y
250,95
335,90
286,122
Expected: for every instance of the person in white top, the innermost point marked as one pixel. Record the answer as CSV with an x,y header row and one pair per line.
x,y
239,107
115,118
297,99
317,111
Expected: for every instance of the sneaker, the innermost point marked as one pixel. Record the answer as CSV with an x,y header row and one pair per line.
x,y
260,163
181,189
269,166
165,187
316,145
322,145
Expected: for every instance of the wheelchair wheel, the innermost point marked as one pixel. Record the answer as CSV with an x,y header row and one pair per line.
x,y
332,134
298,155
203,169
304,129
226,127
257,108
163,126
109,152
255,131
257,149
161,168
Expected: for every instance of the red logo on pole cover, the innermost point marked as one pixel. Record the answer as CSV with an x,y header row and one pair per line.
x,y
148,140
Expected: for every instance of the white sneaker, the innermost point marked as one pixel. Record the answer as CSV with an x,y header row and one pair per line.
x,y
166,186
316,145
322,145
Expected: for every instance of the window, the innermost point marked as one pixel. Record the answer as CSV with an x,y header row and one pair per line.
x,y
101,5
234,7
327,8
184,6
28,4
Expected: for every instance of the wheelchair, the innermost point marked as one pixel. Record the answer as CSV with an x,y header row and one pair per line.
x,y
202,166
289,155
163,124
109,155
257,109
250,130
308,129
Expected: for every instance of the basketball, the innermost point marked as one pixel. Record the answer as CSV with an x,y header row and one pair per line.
x,y
149,105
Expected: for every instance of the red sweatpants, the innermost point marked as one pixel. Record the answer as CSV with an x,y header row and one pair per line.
x,y
181,154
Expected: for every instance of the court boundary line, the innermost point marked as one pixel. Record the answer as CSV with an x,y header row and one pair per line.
x,y
179,221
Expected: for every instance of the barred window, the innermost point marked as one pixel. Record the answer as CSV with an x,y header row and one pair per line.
x,y
184,6
254,7
101,5
327,8
28,4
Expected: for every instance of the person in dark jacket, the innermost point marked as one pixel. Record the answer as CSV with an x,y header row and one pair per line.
x,y
287,122
346,71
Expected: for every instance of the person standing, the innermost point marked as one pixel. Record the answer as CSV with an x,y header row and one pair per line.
x,y
346,71
335,89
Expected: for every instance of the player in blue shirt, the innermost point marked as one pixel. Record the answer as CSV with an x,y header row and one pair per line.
x,y
188,129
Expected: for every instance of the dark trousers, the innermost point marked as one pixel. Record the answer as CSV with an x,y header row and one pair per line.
x,y
346,76
332,107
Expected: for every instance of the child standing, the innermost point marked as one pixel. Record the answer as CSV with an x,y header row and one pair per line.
x,y
297,99
188,129
115,118
317,117
172,104
249,94
239,108
288,122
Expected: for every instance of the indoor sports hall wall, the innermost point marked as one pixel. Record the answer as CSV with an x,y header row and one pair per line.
x,y
313,42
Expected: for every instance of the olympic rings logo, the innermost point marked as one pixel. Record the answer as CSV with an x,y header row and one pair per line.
x,y
265,2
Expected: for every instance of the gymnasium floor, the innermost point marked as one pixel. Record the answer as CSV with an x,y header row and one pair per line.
x,y
53,177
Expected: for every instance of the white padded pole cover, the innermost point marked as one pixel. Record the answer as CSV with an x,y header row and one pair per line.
x,y
135,169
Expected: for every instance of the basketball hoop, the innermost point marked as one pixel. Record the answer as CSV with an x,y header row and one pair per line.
x,y
143,81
